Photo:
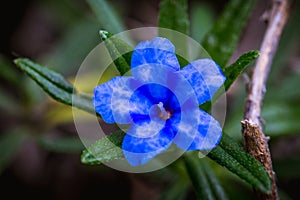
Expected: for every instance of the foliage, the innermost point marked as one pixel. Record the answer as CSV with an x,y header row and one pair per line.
x,y
281,112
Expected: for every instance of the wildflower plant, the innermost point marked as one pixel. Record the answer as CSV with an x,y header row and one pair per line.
x,y
155,103
158,94
160,101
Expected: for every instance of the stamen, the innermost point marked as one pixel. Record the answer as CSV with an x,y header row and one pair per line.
x,y
163,114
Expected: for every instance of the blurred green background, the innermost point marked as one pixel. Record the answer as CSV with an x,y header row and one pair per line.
x,y
40,149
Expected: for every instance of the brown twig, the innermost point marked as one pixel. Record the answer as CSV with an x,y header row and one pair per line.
x,y
256,143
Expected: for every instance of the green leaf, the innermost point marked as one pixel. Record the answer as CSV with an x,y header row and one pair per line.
x,y
198,177
107,16
202,19
10,143
228,154
214,183
173,15
54,84
48,74
53,89
61,145
176,191
104,150
117,48
235,69
231,155
221,42
203,178
182,61
283,86
82,102
282,118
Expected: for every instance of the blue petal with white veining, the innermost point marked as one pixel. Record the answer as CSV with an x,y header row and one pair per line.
x,y
146,128
103,96
208,135
187,124
154,93
166,77
157,51
147,103
111,99
139,151
205,76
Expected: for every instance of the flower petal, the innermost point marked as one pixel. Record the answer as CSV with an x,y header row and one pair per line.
x,y
111,99
139,151
205,76
157,51
153,73
146,128
187,124
153,93
208,135
145,96
162,76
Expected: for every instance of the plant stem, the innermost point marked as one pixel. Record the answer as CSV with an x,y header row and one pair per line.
x,y
256,143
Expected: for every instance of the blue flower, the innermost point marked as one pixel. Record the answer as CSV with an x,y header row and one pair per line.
x,y
161,102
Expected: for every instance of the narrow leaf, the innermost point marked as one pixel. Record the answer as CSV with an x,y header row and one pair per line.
x,y
48,74
107,16
236,68
220,43
228,154
82,102
182,61
117,48
202,19
61,145
284,117
231,155
197,175
10,143
173,15
104,150
214,183
55,85
51,88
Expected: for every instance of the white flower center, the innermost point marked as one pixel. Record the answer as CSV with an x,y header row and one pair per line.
x,y
162,113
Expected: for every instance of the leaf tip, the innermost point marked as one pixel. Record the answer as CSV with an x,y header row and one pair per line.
x,y
17,61
85,157
104,34
256,53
